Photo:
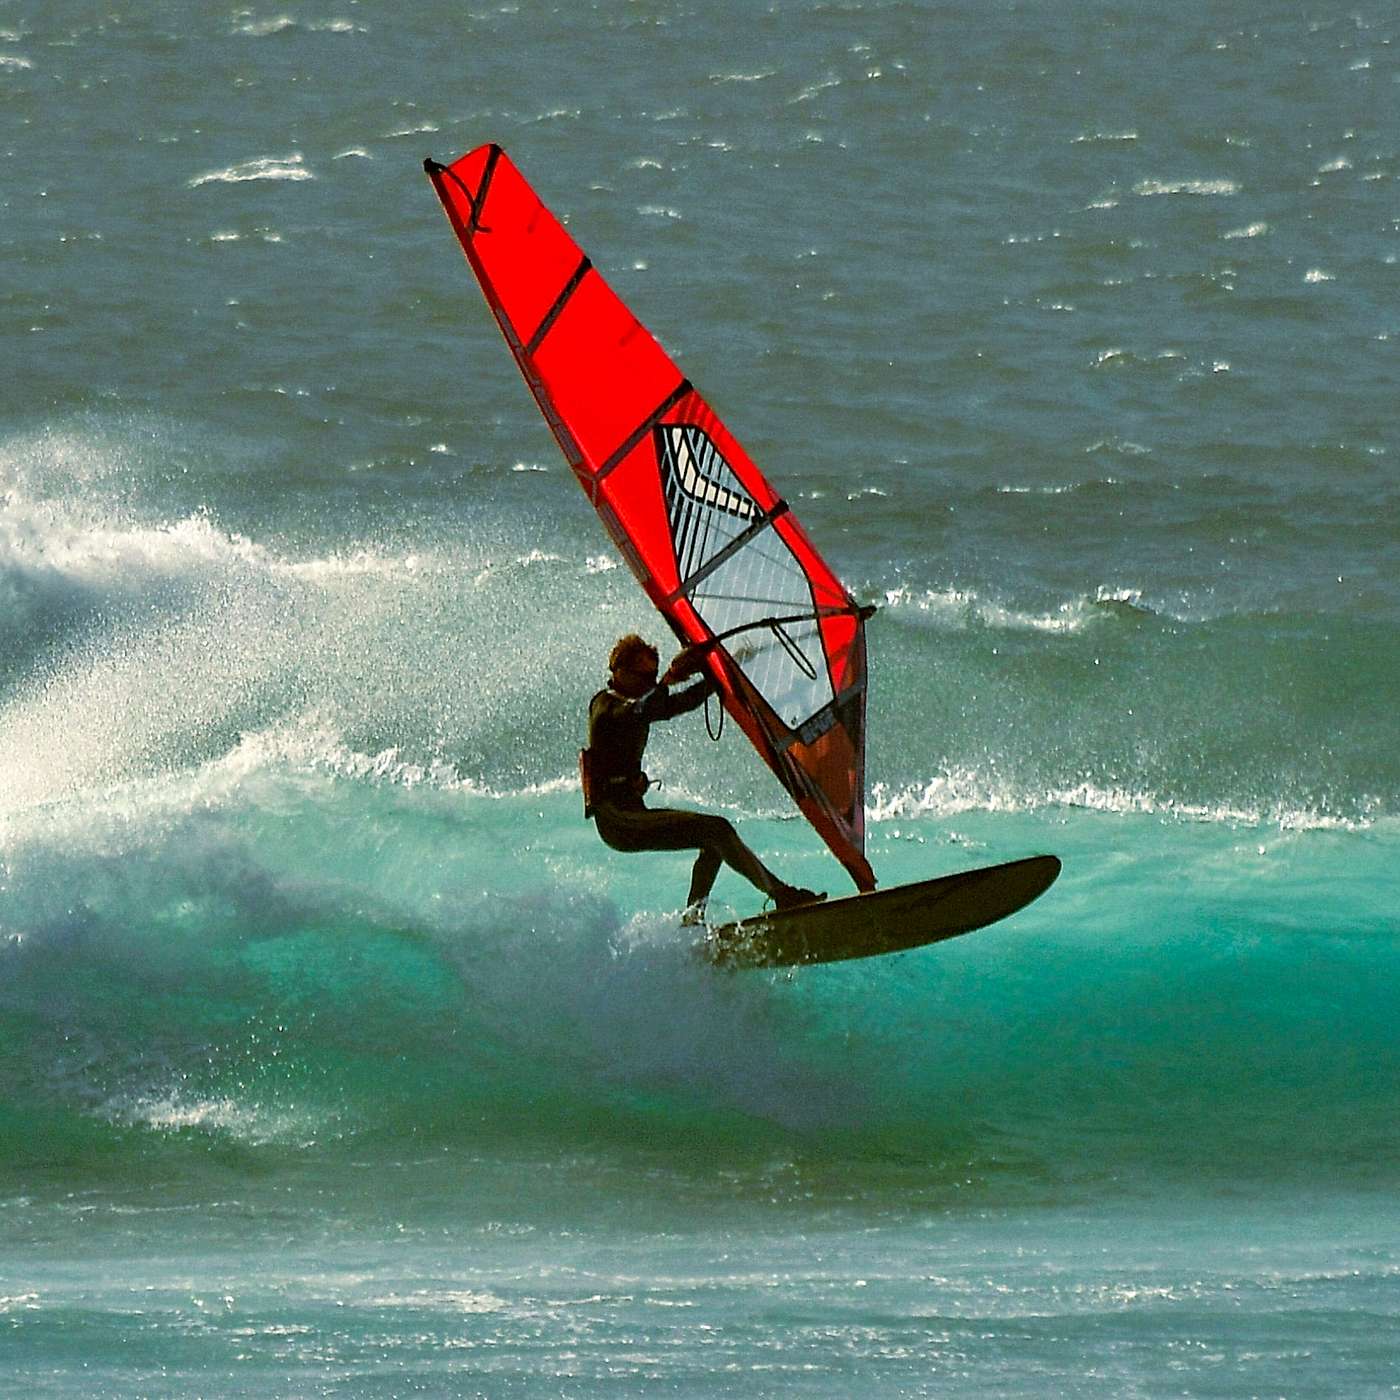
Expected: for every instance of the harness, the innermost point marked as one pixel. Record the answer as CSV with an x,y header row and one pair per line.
x,y
596,790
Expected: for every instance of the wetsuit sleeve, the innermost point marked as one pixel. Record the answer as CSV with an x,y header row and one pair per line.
x,y
665,703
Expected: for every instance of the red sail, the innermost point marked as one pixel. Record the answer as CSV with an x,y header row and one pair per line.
x,y
714,546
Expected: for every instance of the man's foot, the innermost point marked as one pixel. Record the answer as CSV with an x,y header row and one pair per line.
x,y
694,915
793,896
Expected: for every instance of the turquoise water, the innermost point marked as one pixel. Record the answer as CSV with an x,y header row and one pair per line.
x,y
336,1054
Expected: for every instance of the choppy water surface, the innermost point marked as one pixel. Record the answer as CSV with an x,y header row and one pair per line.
x,y
337,1056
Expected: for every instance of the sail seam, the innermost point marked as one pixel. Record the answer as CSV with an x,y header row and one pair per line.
x,y
560,302
640,431
479,202
692,581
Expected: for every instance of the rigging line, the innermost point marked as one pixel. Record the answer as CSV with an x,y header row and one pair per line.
x,y
795,652
862,612
714,731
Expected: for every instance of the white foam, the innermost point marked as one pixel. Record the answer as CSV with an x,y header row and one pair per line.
x,y
292,167
279,24
261,28
524,561
251,1123
815,90
1123,447
1150,188
958,791
961,609
42,538
54,525
311,743
50,538
444,1300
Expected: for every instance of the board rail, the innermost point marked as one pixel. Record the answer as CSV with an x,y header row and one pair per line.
x,y
883,921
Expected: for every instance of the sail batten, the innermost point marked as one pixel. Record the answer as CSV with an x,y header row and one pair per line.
x,y
718,551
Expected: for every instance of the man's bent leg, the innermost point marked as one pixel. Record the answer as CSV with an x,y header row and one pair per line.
x,y
702,879
666,829
723,843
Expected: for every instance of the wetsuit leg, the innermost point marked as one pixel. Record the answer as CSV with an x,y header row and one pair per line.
x,y
702,877
666,829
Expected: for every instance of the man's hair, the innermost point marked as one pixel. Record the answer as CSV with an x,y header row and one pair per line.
x,y
629,646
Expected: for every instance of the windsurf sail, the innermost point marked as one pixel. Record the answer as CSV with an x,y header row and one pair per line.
x,y
715,547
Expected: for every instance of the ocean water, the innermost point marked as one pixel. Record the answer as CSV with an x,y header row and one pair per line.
x,y
338,1057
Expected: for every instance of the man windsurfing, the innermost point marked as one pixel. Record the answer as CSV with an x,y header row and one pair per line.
x,y
619,719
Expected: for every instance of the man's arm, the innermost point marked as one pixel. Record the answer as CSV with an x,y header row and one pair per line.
x,y
665,703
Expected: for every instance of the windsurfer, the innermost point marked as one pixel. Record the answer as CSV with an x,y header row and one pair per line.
x,y
619,718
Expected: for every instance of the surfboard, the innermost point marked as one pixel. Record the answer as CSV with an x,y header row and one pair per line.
x,y
883,921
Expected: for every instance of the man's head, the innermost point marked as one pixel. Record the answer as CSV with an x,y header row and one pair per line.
x,y
633,663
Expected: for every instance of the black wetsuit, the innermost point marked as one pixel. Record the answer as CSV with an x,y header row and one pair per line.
x,y
617,739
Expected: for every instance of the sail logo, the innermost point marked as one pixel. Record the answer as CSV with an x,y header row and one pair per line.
x,y
698,472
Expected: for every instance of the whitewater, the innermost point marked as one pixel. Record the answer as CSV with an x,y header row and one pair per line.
x,y
338,1056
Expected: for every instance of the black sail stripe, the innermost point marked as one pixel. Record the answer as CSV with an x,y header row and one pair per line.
x,y
640,431
692,581
691,520
701,491
688,527
560,302
437,172
491,158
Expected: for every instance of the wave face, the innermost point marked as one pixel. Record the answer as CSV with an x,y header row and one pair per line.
x,y
292,866
301,957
